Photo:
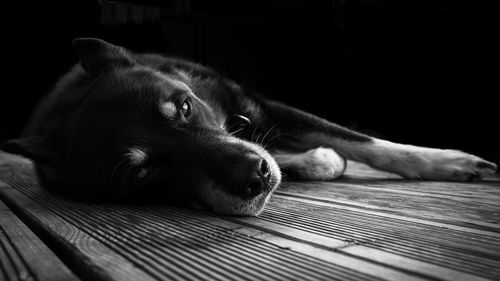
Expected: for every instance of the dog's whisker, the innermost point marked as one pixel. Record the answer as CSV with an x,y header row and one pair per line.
x,y
115,168
257,139
253,133
268,131
270,140
231,127
262,140
237,131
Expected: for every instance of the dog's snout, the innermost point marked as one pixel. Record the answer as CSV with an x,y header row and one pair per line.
x,y
254,188
265,170
259,177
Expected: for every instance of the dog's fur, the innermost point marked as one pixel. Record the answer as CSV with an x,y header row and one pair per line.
x,y
124,125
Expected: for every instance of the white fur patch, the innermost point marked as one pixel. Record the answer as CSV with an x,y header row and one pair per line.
x,y
316,164
136,156
169,109
409,161
429,163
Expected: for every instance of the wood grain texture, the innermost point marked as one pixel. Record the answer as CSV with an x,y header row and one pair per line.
x,y
474,204
87,257
23,256
367,226
178,244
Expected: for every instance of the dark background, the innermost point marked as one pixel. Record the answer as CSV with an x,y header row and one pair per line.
x,y
421,72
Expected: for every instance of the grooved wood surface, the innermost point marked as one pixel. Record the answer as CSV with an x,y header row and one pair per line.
x,y
23,256
367,226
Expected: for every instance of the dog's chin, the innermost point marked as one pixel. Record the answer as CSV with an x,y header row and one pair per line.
x,y
216,200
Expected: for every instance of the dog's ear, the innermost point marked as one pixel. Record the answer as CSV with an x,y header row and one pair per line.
x,y
98,56
35,148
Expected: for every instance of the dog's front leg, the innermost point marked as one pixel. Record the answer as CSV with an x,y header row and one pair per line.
x,y
301,131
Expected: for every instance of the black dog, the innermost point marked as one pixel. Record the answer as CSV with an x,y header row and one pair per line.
x,y
124,125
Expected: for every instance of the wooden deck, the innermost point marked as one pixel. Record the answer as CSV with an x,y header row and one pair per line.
x,y
368,226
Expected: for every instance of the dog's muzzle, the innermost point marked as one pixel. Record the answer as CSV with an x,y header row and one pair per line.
x,y
258,180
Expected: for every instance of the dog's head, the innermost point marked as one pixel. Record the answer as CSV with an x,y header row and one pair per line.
x,y
138,132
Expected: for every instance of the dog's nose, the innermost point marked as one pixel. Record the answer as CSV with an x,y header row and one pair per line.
x,y
265,171
261,175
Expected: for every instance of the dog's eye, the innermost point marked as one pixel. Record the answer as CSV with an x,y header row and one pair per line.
x,y
186,108
242,120
238,123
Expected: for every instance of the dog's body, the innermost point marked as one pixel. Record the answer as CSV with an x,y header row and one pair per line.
x,y
123,125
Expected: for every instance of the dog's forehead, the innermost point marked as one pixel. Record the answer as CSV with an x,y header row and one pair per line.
x,y
164,88
169,82
143,78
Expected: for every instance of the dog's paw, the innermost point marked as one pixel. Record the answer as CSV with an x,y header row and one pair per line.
x,y
316,164
453,165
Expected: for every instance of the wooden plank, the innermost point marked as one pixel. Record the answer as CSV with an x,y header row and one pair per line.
x,y
291,233
279,212
83,254
23,256
466,251
196,246
481,193
422,267
459,211
351,246
365,209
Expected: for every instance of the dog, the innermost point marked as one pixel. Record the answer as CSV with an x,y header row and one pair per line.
x,y
121,125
